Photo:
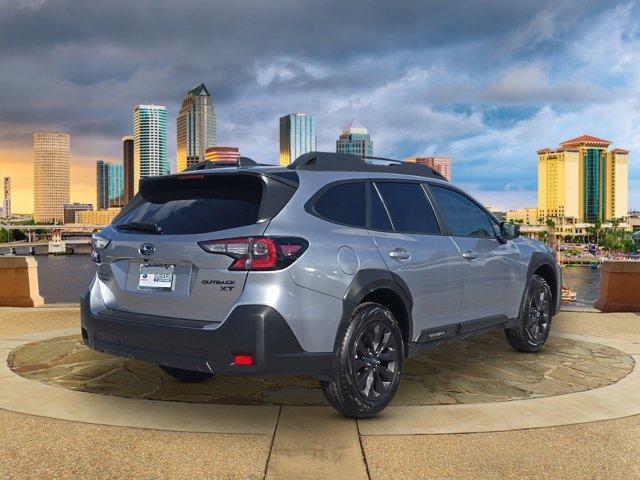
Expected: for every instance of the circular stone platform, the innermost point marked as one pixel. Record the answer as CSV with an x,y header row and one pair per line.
x,y
479,370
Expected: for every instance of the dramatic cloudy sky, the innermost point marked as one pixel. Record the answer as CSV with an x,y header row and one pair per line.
x,y
487,82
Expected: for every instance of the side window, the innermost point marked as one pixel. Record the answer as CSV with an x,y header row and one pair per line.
x,y
464,218
344,203
408,207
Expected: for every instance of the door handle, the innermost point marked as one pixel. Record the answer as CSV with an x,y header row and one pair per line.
x,y
400,254
470,255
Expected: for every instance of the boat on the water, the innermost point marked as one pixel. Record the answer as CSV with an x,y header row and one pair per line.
x,y
568,295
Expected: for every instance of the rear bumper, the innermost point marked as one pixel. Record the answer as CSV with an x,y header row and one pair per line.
x,y
258,330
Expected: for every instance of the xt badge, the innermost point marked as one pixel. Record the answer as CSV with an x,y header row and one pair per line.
x,y
225,285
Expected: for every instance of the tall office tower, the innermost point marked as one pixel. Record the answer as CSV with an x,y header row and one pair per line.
x,y
195,127
116,185
355,139
297,136
127,162
102,185
149,143
583,181
7,197
109,185
51,157
222,154
440,164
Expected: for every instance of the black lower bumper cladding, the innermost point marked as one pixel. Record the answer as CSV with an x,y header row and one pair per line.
x,y
258,330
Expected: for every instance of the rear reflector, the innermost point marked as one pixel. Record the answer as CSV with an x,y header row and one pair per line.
x,y
243,359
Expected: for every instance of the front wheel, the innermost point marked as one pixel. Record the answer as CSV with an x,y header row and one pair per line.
x,y
532,330
369,363
188,376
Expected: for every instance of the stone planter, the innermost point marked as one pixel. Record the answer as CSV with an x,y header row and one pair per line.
x,y
19,282
619,287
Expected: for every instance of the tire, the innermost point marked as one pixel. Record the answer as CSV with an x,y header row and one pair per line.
x,y
188,376
534,324
369,363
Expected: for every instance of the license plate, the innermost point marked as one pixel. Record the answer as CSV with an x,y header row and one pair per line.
x,y
156,277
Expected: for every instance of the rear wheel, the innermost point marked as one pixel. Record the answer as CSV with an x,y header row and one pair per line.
x,y
189,376
534,324
369,363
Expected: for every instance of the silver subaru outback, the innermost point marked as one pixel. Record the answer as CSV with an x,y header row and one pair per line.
x,y
334,267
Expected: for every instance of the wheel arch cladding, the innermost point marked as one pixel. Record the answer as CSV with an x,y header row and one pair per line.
x,y
383,287
542,265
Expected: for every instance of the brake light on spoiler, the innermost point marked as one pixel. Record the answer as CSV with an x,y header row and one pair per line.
x,y
258,253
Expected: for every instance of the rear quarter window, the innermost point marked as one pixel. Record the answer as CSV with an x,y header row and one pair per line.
x,y
344,203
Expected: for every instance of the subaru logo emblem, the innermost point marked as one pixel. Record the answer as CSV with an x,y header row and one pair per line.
x,y
147,249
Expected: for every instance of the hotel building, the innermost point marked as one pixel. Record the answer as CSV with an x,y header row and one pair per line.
x,y
355,139
297,136
583,181
149,143
195,127
51,158
440,164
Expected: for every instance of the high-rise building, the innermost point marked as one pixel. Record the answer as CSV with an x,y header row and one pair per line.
x,y
149,143
297,136
51,158
70,210
7,197
440,164
582,180
195,127
222,154
109,185
127,162
355,139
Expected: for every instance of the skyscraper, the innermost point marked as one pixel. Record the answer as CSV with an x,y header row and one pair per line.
x,y
582,180
297,136
222,154
7,197
51,157
355,139
109,185
127,162
195,127
149,143
440,164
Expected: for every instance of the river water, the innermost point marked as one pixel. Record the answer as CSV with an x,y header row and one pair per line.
x,y
64,278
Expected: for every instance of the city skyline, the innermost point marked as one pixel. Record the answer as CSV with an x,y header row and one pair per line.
x,y
488,86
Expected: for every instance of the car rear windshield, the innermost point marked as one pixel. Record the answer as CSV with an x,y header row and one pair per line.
x,y
191,204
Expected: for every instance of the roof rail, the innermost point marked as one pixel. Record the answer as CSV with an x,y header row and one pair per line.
x,y
346,162
242,162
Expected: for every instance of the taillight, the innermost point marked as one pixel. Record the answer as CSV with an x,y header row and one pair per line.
x,y
258,253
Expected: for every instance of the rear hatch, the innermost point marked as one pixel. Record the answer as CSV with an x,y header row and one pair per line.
x,y
153,264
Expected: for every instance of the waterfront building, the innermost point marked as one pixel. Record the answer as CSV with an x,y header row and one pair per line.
x,y
583,181
100,218
355,139
51,159
195,127
70,210
439,163
149,143
297,136
7,197
526,216
109,185
127,162
222,154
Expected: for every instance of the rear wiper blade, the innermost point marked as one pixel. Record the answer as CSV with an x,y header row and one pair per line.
x,y
141,227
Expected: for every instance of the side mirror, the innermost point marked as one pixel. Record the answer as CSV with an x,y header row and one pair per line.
x,y
509,231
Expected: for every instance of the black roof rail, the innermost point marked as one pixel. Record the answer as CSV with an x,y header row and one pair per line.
x,y
243,162
346,162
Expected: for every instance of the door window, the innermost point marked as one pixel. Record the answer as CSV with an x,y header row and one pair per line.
x,y
463,217
408,207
